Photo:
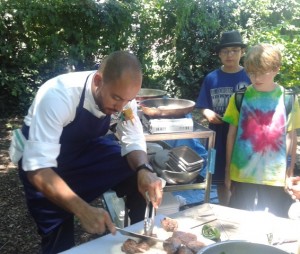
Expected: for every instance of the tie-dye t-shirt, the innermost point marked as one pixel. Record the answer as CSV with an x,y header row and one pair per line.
x,y
259,152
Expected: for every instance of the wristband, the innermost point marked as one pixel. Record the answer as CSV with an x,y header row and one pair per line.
x,y
146,166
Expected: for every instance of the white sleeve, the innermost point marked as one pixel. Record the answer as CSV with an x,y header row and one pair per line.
x,y
131,133
50,112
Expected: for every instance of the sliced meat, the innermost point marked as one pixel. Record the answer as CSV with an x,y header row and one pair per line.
x,y
168,224
171,245
184,250
143,246
195,246
130,246
185,237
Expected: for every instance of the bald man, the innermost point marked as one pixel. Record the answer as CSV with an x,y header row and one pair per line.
x,y
68,161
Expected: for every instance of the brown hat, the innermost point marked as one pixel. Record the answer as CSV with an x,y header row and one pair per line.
x,y
231,39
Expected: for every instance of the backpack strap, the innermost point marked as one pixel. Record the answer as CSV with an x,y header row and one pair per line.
x,y
289,98
238,97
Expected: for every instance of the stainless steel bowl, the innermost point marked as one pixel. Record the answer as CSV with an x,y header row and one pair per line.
x,y
148,93
167,107
175,177
240,247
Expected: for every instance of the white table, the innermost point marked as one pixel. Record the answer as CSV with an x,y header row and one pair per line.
x,y
236,224
110,244
233,223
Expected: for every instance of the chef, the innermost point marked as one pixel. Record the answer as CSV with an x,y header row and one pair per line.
x,y
66,159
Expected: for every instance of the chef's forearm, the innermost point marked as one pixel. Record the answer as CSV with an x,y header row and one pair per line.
x,y
136,158
56,190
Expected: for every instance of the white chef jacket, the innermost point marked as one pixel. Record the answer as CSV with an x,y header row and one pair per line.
x,y
54,107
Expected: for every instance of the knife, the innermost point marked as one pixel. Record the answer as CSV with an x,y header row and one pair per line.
x,y
203,223
279,242
140,236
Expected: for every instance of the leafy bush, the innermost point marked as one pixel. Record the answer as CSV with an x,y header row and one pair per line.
x,y
44,38
276,22
175,40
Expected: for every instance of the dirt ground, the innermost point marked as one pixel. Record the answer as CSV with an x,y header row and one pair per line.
x,y
17,230
18,233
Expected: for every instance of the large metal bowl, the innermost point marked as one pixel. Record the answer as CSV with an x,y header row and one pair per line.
x,y
148,93
240,247
167,107
175,177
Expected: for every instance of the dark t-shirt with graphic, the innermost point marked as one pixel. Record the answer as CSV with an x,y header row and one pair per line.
x,y
215,93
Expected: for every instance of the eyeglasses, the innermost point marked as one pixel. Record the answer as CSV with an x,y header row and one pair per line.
x,y
258,74
226,52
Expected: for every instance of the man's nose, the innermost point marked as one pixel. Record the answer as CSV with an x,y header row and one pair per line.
x,y
119,106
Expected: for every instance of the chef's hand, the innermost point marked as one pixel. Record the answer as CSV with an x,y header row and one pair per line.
x,y
149,182
212,116
96,220
93,220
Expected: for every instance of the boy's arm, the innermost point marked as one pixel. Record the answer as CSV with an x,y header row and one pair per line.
x,y
291,152
229,148
211,116
291,139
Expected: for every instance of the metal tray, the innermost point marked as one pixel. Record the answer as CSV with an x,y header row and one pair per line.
x,y
187,155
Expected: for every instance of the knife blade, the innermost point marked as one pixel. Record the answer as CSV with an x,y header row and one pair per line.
x,y
140,236
282,241
203,223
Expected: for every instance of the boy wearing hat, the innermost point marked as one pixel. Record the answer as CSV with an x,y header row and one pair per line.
x,y
213,99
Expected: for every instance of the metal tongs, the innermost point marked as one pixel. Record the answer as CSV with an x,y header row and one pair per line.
x,y
149,217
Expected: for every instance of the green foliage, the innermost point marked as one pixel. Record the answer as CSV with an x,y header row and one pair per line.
x,y
184,41
175,40
44,38
287,38
277,22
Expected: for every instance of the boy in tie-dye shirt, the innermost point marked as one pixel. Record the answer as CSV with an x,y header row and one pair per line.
x,y
261,142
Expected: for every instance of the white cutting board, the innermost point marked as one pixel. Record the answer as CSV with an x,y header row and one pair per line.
x,y
111,244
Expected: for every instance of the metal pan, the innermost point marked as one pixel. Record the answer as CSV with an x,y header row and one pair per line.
x,y
167,107
148,93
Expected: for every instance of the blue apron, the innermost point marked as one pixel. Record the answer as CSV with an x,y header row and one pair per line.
x,y
88,162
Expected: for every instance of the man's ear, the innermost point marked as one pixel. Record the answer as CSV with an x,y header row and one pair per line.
x,y
98,79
